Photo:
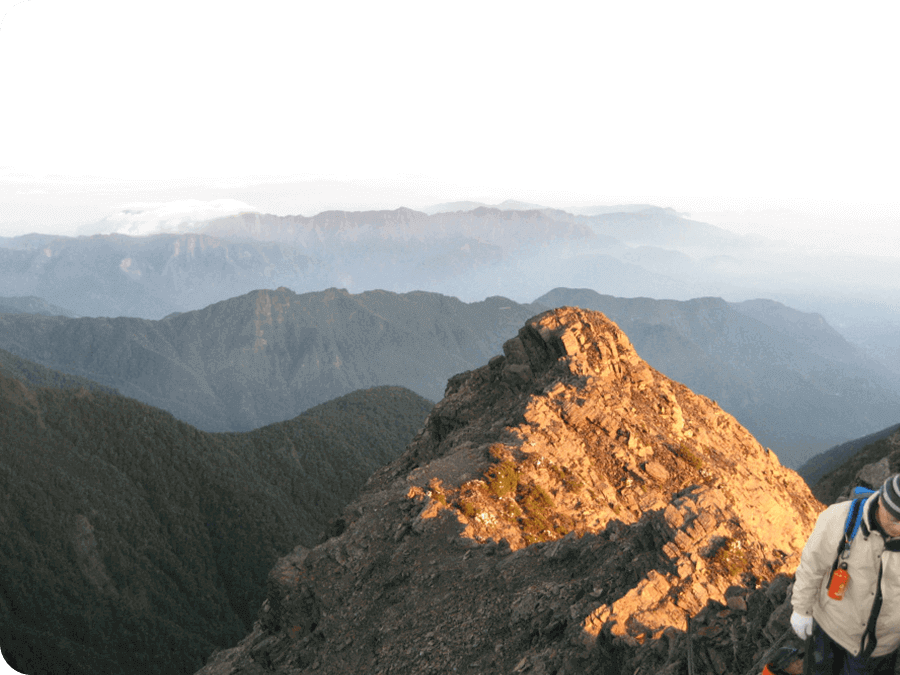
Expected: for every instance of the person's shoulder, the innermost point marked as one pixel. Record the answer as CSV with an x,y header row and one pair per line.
x,y
839,508
835,513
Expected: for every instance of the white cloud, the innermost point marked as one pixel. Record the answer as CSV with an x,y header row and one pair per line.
x,y
146,218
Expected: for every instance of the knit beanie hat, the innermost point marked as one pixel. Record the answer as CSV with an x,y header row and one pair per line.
x,y
890,495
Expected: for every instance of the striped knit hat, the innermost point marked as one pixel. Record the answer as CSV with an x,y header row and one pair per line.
x,y
890,495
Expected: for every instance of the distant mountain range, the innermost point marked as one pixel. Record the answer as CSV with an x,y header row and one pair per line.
x,y
133,542
116,275
467,250
266,356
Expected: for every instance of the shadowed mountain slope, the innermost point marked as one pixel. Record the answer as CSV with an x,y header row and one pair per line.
x,y
869,462
133,542
268,355
566,508
841,459
789,377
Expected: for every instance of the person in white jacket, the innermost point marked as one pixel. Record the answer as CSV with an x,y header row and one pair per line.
x,y
854,630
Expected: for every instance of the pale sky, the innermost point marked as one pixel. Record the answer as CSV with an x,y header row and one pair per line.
x,y
710,108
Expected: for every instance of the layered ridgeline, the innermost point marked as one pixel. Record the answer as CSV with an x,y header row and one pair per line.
x,y
264,357
788,376
471,254
133,542
268,355
566,508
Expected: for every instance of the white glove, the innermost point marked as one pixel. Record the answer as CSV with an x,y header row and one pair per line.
x,y
802,625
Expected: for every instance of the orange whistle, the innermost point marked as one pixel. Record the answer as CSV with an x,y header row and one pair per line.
x,y
839,579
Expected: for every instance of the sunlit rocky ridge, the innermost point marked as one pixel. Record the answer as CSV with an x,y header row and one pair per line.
x,y
565,509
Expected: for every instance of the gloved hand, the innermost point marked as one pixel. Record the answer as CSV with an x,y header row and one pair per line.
x,y
802,625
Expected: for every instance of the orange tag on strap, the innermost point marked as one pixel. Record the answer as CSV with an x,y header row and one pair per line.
x,y
839,579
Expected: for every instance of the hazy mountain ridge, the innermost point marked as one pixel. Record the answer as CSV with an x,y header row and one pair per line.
x,y
471,254
31,305
520,253
117,275
477,550
662,227
482,224
134,543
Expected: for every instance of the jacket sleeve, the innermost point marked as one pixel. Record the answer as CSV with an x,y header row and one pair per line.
x,y
818,556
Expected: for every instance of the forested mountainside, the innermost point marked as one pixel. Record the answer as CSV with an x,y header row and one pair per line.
x,y
133,542
266,356
37,375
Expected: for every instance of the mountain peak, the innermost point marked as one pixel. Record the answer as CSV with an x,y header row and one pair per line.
x,y
570,393
562,503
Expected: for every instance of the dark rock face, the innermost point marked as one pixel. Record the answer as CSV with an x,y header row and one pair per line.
x,y
566,509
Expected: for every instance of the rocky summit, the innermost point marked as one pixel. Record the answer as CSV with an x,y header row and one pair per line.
x,y
565,509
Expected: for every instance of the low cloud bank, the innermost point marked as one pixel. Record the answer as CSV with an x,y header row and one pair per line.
x,y
147,218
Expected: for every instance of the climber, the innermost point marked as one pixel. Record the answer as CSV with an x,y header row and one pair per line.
x,y
846,596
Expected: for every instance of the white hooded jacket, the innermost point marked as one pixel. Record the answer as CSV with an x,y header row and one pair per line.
x,y
870,556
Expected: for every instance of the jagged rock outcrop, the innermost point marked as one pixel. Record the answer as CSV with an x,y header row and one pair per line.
x,y
566,509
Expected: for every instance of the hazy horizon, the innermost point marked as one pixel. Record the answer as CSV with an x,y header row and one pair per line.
x,y
85,205
780,128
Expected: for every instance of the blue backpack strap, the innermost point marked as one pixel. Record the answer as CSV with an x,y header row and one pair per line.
x,y
854,517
